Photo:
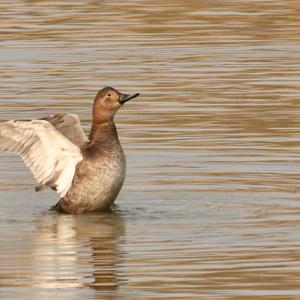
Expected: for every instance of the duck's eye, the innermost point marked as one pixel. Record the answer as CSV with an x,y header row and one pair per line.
x,y
109,94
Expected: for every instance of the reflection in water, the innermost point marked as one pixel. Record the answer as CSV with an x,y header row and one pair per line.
x,y
70,252
64,243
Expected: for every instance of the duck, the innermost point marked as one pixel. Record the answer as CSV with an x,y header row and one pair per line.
x,y
87,172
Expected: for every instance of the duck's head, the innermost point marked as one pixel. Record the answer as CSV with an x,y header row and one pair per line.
x,y
107,102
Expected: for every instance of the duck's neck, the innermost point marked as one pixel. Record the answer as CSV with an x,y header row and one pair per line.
x,y
104,133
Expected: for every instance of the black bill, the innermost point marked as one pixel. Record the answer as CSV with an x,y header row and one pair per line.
x,y
124,97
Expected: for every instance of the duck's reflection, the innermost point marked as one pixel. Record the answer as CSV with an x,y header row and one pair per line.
x,y
78,251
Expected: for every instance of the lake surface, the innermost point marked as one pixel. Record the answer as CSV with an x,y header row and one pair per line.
x,y
211,204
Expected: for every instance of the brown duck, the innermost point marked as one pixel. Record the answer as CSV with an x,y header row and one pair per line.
x,y
87,172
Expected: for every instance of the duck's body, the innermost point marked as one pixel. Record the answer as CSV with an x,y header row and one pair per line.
x,y
87,172
99,176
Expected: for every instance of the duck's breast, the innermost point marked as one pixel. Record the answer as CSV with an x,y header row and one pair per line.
x,y
98,181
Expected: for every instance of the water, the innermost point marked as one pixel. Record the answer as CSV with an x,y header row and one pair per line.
x,y
210,208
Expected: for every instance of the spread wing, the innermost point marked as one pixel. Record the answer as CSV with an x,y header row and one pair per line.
x,y
51,157
69,126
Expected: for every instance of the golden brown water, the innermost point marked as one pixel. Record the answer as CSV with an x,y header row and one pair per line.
x,y
211,204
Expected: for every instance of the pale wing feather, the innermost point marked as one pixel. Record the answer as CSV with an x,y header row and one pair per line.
x,y
69,126
51,157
